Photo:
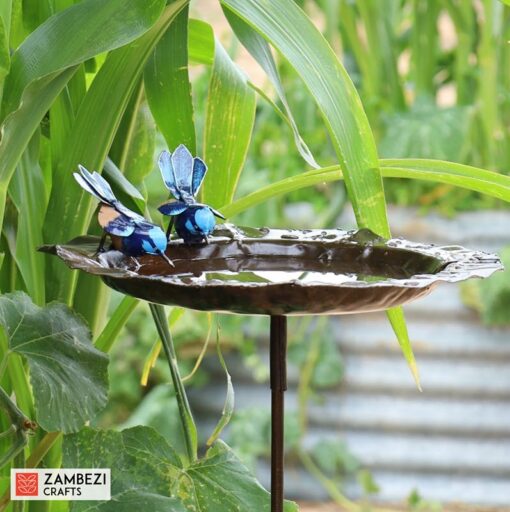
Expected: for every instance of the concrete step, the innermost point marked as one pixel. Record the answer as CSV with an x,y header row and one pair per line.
x,y
377,414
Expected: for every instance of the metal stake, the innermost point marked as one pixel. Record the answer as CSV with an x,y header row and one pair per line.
x,y
278,372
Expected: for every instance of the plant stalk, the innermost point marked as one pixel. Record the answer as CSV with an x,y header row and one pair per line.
x,y
187,423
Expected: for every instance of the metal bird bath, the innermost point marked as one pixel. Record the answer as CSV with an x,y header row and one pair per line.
x,y
280,273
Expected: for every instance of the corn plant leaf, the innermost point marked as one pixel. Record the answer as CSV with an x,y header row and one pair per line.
x,y
293,34
200,42
37,75
168,88
146,469
464,176
91,137
68,375
27,192
142,145
5,59
228,126
261,52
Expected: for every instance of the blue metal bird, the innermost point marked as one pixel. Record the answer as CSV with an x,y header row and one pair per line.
x,y
183,175
131,233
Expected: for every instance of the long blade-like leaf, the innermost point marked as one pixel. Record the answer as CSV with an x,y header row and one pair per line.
x,y
228,127
259,49
168,88
459,175
90,139
47,59
293,34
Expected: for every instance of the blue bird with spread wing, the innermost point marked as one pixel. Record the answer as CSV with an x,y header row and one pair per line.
x,y
183,175
130,233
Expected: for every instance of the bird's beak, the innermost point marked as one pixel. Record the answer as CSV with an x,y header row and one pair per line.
x,y
167,259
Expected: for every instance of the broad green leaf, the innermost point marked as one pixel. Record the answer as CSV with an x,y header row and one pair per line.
x,y
146,469
68,375
293,34
90,139
168,88
228,126
259,49
426,131
38,75
28,193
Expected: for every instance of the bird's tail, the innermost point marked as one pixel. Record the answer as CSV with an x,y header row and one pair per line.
x,y
96,185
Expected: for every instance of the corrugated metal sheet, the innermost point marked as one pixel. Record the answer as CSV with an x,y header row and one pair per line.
x,y
452,441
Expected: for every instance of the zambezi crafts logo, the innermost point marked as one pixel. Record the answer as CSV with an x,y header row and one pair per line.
x,y
60,484
27,484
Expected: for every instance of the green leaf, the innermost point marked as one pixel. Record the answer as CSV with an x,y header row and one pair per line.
x,y
168,88
88,28
145,469
89,141
68,375
118,319
471,178
42,65
293,34
115,177
28,194
261,52
426,131
5,59
228,126
200,42
142,145
228,406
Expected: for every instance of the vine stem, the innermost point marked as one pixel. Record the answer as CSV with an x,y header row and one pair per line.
x,y
188,425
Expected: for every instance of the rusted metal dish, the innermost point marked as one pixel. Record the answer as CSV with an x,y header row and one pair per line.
x,y
282,272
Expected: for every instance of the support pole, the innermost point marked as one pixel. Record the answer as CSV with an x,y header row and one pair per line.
x,y
278,372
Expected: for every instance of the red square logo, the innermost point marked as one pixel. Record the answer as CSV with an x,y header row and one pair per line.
x,y
27,484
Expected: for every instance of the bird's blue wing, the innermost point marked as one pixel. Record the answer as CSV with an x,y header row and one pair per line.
x,y
199,171
173,208
182,163
121,226
167,173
